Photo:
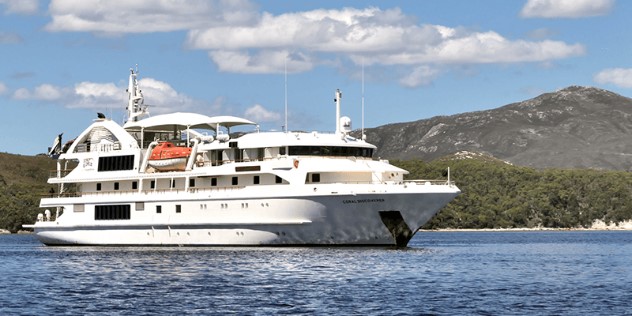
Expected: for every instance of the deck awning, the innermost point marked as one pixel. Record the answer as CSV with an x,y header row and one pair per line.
x,y
182,120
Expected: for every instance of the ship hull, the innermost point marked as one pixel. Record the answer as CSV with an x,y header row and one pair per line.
x,y
334,219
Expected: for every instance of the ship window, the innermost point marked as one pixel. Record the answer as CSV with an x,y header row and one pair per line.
x,y
255,180
116,186
278,180
98,186
315,177
152,184
140,206
235,180
281,151
115,163
112,212
178,208
158,209
192,182
134,185
78,208
173,183
213,182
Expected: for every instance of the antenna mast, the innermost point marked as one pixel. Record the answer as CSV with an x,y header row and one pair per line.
x,y
362,136
337,98
285,64
135,100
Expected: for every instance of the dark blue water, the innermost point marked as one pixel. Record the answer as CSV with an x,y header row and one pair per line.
x,y
446,273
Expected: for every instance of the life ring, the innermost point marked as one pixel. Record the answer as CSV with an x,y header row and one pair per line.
x,y
295,163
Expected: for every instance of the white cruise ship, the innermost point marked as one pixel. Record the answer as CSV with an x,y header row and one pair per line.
x,y
184,179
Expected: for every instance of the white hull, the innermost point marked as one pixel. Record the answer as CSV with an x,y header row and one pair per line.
x,y
334,219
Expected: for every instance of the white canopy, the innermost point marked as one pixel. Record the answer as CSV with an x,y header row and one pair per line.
x,y
186,120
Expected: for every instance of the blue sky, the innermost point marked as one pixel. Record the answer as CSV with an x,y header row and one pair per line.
x,y
63,61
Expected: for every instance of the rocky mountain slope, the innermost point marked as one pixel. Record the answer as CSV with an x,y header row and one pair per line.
x,y
576,127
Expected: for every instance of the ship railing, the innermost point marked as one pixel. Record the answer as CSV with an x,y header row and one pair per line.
x,y
58,174
62,195
429,182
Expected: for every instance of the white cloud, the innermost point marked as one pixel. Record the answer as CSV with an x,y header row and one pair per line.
x,y
163,98
96,96
3,88
241,40
20,6
146,16
565,8
618,76
480,48
258,113
160,96
379,37
44,92
422,75
263,62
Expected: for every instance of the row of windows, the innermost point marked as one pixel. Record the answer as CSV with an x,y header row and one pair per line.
x,y
152,184
337,151
122,212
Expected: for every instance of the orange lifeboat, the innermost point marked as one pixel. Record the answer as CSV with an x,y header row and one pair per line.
x,y
168,157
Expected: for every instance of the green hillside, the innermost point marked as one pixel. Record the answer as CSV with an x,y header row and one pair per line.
x,y
22,182
499,195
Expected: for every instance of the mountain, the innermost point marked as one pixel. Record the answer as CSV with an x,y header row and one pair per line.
x,y
576,127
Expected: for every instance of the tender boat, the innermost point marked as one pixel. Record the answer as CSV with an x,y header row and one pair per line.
x,y
181,179
168,157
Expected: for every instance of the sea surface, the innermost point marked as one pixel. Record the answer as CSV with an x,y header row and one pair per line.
x,y
440,273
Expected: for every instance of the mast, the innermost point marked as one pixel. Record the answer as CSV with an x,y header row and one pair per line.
x,y
362,136
135,103
285,126
337,98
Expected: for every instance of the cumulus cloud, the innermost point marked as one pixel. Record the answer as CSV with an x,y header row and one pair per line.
x,y
258,113
45,92
20,6
618,76
263,62
3,88
384,37
145,16
240,39
160,96
566,8
422,75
